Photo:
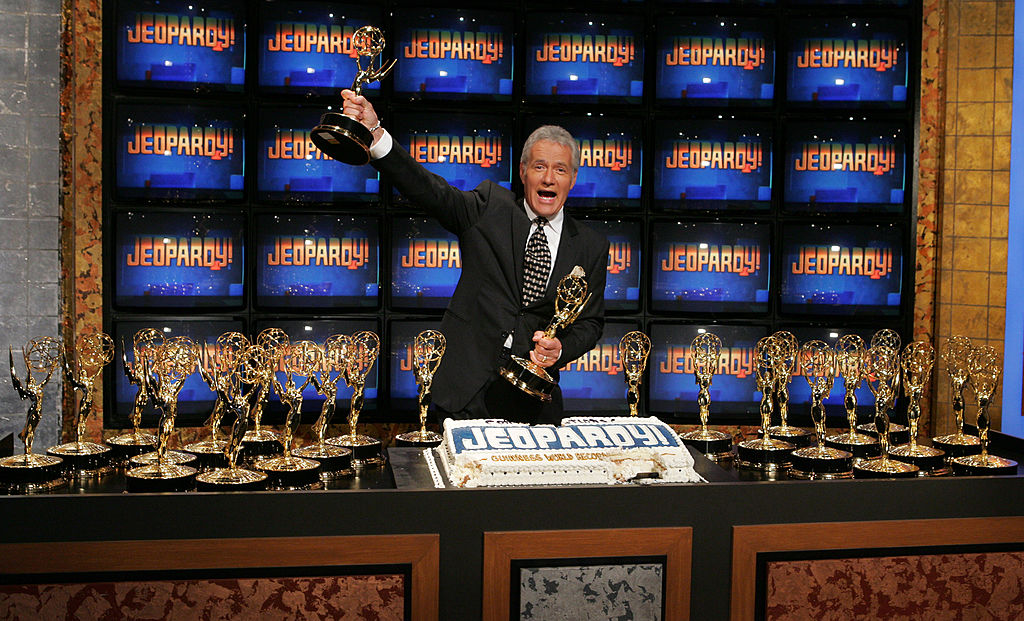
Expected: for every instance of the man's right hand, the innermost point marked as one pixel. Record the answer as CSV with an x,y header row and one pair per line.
x,y
360,109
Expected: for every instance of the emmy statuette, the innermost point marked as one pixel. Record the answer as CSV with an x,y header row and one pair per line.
x,y
985,370
145,344
882,375
850,352
335,461
342,137
634,348
898,434
223,379
765,454
716,445
785,360
916,361
427,351
360,356
955,354
259,441
817,363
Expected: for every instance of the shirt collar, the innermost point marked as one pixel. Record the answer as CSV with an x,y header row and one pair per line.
x,y
555,221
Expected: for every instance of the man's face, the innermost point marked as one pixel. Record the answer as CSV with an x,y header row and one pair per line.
x,y
547,177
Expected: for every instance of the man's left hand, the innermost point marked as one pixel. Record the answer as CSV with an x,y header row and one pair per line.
x,y
546,351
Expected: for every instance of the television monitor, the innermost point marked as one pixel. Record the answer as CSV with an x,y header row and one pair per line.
x,y
308,261
846,166
584,57
848,62
425,263
712,165
465,149
179,151
290,168
841,269
594,383
672,389
835,409
306,47
448,54
168,259
710,267
611,159
715,61
625,244
181,44
401,369
195,401
318,331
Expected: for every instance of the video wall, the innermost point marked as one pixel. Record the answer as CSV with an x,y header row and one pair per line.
x,y
751,164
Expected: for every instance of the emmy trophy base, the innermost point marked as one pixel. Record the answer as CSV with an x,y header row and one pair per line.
x,y
129,445
796,436
978,465
821,463
930,461
290,472
716,445
764,455
957,446
209,454
87,460
170,478
898,434
335,461
175,458
419,439
365,450
228,480
884,468
857,444
528,377
342,138
30,474
264,443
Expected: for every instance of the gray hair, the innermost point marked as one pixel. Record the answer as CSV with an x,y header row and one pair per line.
x,y
556,134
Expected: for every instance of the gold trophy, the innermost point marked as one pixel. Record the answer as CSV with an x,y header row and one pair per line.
x,y
340,136
985,370
335,461
898,434
82,459
259,441
21,474
165,470
882,370
571,297
360,356
287,471
956,352
145,345
716,445
236,402
850,352
427,351
634,348
786,360
223,379
818,365
765,453
916,361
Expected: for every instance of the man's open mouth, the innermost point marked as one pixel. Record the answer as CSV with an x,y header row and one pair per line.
x,y
546,194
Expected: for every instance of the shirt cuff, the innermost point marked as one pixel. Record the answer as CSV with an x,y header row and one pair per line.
x,y
383,146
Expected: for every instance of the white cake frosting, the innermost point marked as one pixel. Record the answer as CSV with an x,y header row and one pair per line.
x,y
602,450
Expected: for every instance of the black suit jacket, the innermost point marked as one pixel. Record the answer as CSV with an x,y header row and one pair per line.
x,y
492,227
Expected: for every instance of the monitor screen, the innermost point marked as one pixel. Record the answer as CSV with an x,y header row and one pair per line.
x,y
611,159
712,165
195,401
425,263
404,391
180,151
179,260
465,149
845,167
714,61
290,168
848,62
447,54
851,269
622,289
594,382
800,390
316,261
306,47
673,387
584,57
710,267
318,331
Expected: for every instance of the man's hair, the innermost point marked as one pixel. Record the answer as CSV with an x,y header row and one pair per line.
x,y
555,134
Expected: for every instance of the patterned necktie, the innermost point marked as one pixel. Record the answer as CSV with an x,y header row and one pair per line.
x,y
537,264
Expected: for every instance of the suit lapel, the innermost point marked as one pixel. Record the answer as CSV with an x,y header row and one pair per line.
x,y
520,227
567,257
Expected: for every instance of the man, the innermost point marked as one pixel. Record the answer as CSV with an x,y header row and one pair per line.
x,y
506,294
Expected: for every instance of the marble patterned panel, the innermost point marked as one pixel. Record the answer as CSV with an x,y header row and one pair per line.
x,y
370,598
935,587
591,592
